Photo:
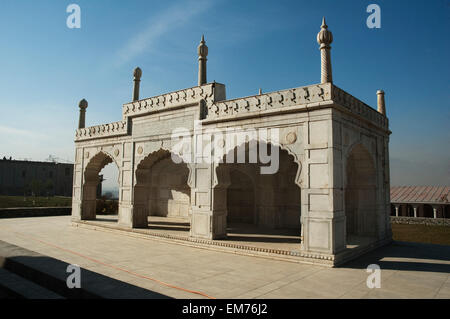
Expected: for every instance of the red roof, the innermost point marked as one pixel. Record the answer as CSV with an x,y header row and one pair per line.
x,y
420,194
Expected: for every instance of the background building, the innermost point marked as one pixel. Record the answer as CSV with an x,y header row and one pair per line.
x,y
420,201
19,177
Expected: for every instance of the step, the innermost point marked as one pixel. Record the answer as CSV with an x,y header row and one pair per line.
x,y
19,287
51,274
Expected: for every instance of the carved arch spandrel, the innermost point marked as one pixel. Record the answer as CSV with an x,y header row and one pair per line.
x,y
298,181
147,161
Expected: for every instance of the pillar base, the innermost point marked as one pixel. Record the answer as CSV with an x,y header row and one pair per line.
x,y
208,224
133,216
76,211
87,209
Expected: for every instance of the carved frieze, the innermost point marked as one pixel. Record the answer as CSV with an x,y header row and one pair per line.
x,y
103,130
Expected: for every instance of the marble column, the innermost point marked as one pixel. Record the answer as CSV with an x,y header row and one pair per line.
x,y
381,106
83,104
137,73
202,54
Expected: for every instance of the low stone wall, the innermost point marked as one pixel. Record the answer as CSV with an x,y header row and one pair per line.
x,y
34,212
420,221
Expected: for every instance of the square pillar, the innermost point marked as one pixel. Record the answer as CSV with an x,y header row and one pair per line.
x,y
323,217
207,220
77,190
130,214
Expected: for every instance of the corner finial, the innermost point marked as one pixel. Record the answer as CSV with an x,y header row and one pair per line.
x,y
202,51
381,105
83,104
325,38
137,73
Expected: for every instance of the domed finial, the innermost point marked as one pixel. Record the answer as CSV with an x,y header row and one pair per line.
x,y
202,48
325,38
202,51
137,73
83,104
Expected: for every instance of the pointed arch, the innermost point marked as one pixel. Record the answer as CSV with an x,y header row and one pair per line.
x,y
277,197
161,187
91,181
265,141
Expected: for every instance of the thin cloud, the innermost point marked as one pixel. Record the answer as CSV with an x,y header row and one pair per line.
x,y
14,132
174,17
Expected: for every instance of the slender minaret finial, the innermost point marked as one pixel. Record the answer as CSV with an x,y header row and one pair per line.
x,y
82,119
381,106
137,73
202,54
325,38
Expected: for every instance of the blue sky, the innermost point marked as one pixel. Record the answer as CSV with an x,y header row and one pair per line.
x,y
46,68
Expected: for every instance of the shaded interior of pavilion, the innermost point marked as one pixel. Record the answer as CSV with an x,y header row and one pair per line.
x,y
262,210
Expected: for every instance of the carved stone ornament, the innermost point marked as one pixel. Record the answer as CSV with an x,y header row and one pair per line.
x,y
291,137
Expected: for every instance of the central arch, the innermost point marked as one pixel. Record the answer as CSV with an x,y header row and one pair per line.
x,y
265,206
162,193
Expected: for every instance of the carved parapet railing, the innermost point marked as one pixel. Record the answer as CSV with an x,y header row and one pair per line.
x,y
103,130
298,99
170,100
265,103
358,107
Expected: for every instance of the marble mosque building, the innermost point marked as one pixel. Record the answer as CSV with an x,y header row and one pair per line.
x,y
331,186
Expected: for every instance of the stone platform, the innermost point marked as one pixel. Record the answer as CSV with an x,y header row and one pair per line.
x,y
243,239
180,271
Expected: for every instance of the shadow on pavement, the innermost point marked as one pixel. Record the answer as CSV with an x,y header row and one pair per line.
x,y
406,256
52,274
